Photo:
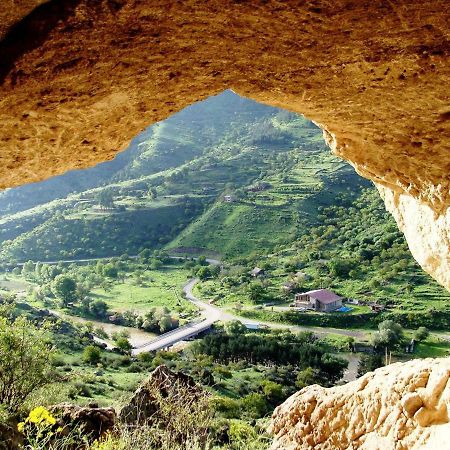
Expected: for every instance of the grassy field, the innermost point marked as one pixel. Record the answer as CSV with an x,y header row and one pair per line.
x,y
160,288
433,347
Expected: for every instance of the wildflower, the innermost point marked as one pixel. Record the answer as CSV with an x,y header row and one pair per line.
x,y
40,416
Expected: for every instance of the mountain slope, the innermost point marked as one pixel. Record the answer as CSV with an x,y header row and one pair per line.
x,y
172,179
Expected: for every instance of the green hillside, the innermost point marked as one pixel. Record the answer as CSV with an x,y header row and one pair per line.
x,y
168,189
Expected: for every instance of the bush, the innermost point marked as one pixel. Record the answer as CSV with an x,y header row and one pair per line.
x,y
25,361
91,354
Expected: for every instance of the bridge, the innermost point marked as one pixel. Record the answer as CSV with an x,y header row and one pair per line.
x,y
170,338
211,315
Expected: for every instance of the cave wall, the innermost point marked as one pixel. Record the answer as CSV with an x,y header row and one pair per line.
x,y
80,78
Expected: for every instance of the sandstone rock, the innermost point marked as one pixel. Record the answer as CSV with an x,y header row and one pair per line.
x,y
91,420
144,404
401,406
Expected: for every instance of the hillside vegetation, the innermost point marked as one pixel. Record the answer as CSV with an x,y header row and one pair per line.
x,y
168,189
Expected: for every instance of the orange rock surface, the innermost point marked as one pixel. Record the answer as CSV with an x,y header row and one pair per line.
x,y
401,406
79,79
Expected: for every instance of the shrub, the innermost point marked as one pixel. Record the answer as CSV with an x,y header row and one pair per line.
x,y
25,361
91,354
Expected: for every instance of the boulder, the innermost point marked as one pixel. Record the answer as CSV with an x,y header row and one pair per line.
x,y
400,406
90,420
161,384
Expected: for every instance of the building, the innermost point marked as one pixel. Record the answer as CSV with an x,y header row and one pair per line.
x,y
257,272
289,286
228,198
375,307
319,299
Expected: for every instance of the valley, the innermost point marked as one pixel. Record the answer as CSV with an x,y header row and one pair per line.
x,y
222,216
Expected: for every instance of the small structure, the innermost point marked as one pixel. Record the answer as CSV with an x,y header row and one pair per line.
x,y
319,299
257,272
228,198
352,301
375,307
289,286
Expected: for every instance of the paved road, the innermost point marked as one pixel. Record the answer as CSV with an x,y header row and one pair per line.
x,y
210,315
225,316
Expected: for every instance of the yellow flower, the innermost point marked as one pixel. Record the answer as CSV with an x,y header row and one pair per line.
x,y
41,416
21,426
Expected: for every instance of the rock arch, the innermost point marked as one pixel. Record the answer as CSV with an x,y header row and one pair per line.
x,y
79,78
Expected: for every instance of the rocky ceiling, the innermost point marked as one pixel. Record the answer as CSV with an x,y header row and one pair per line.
x,y
80,78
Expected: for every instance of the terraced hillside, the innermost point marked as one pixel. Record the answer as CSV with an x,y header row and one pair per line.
x,y
169,188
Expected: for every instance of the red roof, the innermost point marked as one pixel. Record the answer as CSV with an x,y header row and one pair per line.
x,y
323,295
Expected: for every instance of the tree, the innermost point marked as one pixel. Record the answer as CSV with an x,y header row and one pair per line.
x,y
341,267
65,288
272,391
421,334
167,323
255,405
28,268
369,362
99,308
106,199
256,292
110,271
155,264
332,368
389,335
91,354
306,377
25,361
124,344
202,260
204,273
235,327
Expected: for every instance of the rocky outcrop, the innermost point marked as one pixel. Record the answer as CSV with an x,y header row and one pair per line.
x,y
10,438
400,406
163,384
427,233
91,421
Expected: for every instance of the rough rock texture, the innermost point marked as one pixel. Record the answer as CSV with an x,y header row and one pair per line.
x,y
91,420
401,406
10,438
78,79
427,233
161,384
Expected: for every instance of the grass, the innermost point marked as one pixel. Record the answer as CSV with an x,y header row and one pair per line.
x,y
161,288
433,347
